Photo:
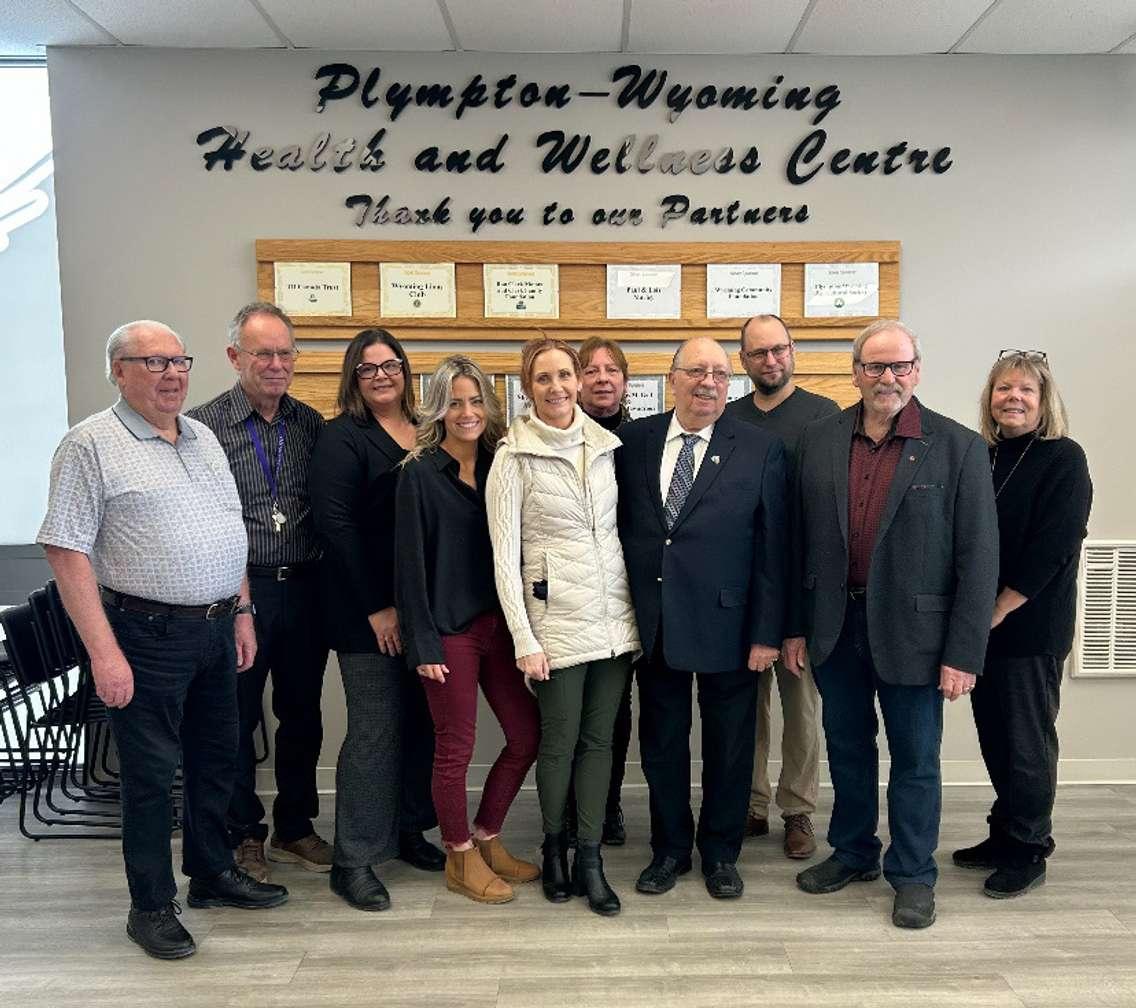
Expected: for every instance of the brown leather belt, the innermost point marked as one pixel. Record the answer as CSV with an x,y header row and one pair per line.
x,y
132,603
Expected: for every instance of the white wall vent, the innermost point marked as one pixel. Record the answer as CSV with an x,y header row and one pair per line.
x,y
1106,619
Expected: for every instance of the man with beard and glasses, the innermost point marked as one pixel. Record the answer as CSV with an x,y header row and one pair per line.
x,y
784,410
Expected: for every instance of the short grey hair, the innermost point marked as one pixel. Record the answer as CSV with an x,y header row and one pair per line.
x,y
237,324
885,325
121,339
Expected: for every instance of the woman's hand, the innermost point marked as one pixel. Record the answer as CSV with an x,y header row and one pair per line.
x,y
436,672
534,666
384,623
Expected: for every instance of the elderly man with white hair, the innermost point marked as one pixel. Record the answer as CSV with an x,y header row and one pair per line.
x,y
145,536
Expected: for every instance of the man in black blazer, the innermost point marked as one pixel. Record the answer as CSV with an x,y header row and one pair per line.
x,y
895,570
702,517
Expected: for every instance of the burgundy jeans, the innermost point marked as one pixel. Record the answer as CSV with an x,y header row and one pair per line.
x,y
482,654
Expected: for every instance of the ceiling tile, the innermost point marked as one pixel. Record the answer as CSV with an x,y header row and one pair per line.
x,y
886,27
537,25
1053,26
361,25
25,28
713,26
230,24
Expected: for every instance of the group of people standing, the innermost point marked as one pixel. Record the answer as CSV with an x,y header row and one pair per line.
x,y
848,555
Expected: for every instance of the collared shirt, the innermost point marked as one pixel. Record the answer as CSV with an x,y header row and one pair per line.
x,y
158,520
871,467
673,446
226,415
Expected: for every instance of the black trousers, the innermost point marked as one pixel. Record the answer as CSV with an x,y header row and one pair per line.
x,y
290,648
727,703
1015,708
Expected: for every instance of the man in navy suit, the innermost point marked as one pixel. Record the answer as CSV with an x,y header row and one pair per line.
x,y
702,519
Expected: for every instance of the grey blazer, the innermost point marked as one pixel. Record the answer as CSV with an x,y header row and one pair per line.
x,y
934,569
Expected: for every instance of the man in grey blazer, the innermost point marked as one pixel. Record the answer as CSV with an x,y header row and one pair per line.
x,y
895,572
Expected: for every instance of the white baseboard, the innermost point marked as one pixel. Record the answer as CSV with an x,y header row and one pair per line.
x,y
956,773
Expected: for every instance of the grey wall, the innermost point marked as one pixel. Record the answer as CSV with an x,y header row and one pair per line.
x,y
1027,241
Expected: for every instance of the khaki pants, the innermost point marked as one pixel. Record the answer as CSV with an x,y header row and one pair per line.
x,y
800,744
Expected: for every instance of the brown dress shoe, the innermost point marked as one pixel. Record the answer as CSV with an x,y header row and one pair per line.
x,y
756,825
510,868
249,857
312,852
468,874
800,841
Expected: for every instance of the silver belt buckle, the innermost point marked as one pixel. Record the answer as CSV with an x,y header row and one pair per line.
x,y
214,611
282,573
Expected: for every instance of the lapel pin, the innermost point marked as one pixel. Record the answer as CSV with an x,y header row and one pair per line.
x,y
910,458
715,459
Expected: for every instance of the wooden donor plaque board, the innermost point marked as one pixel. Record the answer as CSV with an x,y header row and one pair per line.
x,y
582,303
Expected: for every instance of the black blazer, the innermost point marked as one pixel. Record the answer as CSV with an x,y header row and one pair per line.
x,y
715,583
351,479
933,576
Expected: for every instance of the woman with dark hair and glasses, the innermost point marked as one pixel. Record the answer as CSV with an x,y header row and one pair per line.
x,y
382,779
453,628
1043,493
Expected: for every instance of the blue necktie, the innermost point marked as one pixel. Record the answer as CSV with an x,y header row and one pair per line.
x,y
681,481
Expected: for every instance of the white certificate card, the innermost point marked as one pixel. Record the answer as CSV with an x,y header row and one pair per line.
x,y
645,396
516,402
839,290
644,292
522,291
742,290
310,288
417,290
739,386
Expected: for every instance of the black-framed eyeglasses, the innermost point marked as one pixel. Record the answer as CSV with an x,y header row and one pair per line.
x,y
265,356
368,370
699,373
158,364
1032,355
876,369
779,352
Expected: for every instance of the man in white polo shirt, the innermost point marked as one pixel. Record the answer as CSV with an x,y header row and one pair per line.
x,y
145,536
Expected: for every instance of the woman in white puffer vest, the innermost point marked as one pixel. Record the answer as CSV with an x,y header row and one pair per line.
x,y
562,584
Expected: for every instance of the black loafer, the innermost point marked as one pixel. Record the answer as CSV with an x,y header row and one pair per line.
x,y
235,888
661,875
723,881
418,852
360,887
159,933
914,906
831,875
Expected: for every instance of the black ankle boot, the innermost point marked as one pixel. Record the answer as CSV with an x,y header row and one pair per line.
x,y
554,868
588,880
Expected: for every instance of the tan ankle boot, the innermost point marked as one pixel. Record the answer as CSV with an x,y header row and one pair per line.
x,y
468,874
511,869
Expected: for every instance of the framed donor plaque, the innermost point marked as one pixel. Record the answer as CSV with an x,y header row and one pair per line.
x,y
645,395
644,292
516,402
742,290
313,288
417,290
521,291
840,290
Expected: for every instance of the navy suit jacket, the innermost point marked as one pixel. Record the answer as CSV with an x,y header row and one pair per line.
x,y
716,582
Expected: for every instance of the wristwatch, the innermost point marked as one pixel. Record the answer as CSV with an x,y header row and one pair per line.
x,y
246,608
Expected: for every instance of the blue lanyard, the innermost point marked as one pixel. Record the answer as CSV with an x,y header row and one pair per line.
x,y
271,473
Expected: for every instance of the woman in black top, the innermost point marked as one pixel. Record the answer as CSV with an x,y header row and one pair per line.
x,y
1043,493
455,634
382,778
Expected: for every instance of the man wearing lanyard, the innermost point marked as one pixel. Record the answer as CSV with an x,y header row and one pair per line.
x,y
268,437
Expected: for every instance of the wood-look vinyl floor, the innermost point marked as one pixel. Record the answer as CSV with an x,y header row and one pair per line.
x,y
1069,944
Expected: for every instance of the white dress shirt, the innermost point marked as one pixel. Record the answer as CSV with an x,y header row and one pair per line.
x,y
673,446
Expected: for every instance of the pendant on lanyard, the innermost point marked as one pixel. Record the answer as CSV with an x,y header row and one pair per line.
x,y
271,473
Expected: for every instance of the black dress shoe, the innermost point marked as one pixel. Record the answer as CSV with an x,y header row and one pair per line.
x,y
831,875
661,874
235,888
360,887
554,868
723,881
417,851
614,832
588,880
159,933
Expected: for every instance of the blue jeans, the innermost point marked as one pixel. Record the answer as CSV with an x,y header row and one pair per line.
x,y
184,708
913,720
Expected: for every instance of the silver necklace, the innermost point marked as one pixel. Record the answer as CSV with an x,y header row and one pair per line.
x,y
1013,468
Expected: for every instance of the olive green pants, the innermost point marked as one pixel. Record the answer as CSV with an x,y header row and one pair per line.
x,y
578,706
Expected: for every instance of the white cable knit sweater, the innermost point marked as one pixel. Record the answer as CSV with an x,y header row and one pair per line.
x,y
547,524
